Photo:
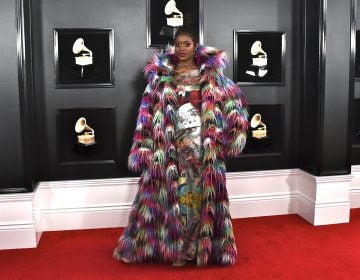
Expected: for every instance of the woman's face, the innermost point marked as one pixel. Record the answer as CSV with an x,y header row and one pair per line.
x,y
184,47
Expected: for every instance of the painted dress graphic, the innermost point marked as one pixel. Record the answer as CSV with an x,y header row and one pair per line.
x,y
188,145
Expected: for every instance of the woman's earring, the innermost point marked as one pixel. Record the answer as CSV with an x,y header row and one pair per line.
x,y
196,46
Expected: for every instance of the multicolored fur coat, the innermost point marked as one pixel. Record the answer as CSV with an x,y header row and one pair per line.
x,y
154,231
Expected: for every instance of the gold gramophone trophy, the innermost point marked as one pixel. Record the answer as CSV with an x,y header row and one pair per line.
x,y
83,67
87,137
258,68
261,131
174,19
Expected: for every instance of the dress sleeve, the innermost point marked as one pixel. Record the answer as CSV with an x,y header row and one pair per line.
x,y
143,145
236,122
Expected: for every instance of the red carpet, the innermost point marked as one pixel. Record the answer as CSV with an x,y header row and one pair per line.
x,y
278,247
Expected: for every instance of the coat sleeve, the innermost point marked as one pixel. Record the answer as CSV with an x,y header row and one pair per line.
x,y
143,145
236,122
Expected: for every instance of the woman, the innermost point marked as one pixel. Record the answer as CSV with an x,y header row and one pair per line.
x,y
191,116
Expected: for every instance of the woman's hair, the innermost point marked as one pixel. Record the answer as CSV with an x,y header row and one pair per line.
x,y
188,31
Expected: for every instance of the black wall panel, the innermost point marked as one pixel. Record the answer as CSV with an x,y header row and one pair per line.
x,y
312,85
128,18
357,26
314,97
11,154
327,93
221,18
355,155
334,153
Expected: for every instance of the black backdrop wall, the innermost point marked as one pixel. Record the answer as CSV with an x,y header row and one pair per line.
x,y
286,105
258,15
128,18
328,90
11,163
356,100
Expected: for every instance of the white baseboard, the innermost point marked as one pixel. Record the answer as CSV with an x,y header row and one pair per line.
x,y
261,193
324,200
355,187
84,218
86,204
17,226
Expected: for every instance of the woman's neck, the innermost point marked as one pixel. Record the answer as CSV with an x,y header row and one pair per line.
x,y
186,64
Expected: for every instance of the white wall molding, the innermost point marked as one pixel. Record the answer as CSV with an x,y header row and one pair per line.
x,y
324,200
261,193
17,225
355,187
104,203
84,204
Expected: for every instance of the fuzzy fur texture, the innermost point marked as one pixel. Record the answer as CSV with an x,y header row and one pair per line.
x,y
154,231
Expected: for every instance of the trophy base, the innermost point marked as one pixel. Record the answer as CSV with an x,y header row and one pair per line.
x,y
257,71
85,71
260,144
86,144
86,139
169,31
259,134
175,21
87,149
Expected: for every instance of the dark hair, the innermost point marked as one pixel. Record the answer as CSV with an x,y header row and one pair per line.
x,y
188,31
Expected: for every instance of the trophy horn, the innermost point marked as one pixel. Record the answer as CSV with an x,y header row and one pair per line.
x,y
256,49
79,46
256,121
81,126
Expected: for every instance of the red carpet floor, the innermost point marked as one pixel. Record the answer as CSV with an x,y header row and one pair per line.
x,y
278,247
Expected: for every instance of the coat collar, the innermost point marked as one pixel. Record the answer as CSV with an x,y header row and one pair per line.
x,y
205,58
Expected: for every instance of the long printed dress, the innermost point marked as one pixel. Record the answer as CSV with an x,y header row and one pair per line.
x,y
188,147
